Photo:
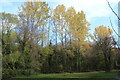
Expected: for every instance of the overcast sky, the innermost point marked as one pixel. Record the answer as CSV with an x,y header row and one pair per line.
x,y
97,11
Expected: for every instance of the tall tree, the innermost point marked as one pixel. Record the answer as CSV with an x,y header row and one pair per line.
x,y
79,32
8,37
102,36
32,27
8,24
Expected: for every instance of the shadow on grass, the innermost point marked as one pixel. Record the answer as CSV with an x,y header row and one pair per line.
x,y
64,79
72,76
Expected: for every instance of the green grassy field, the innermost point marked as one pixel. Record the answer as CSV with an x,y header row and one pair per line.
x,y
75,75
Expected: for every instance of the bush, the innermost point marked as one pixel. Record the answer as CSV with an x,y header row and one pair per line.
x,y
28,72
9,73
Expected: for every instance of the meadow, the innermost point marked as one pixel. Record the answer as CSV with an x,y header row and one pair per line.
x,y
83,75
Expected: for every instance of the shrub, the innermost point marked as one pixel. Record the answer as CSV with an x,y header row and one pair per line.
x,y
9,73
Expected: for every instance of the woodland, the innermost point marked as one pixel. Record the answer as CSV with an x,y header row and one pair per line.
x,y
43,40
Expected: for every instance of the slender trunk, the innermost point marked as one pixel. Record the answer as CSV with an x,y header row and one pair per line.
x,y
42,44
48,34
3,43
65,40
56,38
107,63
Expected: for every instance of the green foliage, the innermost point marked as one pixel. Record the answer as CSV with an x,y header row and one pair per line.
x,y
9,73
46,40
13,57
47,51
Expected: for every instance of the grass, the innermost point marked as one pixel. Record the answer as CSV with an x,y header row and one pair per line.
x,y
87,75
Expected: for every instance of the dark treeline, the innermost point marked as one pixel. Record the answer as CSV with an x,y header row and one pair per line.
x,y
44,40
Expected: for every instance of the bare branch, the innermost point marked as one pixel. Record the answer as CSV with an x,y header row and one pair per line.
x,y
113,10
113,28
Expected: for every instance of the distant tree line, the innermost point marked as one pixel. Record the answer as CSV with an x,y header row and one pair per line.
x,y
44,40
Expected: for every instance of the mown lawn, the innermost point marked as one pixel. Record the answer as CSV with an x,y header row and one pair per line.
x,y
82,75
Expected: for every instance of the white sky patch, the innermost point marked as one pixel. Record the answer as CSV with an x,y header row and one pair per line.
x,y
92,8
